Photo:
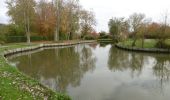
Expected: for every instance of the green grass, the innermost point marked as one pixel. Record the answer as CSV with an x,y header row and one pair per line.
x,y
167,42
15,85
148,43
9,90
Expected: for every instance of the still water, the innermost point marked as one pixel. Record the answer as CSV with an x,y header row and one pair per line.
x,y
99,72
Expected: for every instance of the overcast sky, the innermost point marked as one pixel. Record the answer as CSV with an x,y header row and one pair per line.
x,y
106,9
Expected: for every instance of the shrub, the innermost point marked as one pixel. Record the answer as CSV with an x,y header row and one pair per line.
x,y
37,38
15,30
104,37
14,34
88,37
2,39
162,44
3,31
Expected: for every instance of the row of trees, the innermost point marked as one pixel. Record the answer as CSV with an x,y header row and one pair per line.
x,y
61,19
138,26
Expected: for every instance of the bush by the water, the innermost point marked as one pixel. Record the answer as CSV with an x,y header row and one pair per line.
x,y
162,44
13,33
89,37
104,36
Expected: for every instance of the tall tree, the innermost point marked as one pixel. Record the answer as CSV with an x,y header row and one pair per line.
x,y
45,18
58,6
163,30
70,18
136,21
74,17
117,27
153,30
87,22
22,13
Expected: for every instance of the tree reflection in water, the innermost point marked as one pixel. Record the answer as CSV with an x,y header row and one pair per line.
x,y
58,68
161,69
92,71
122,60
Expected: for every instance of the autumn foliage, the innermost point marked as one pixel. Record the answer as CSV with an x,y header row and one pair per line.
x,y
59,19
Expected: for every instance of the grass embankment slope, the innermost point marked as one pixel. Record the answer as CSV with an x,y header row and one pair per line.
x,y
148,43
14,85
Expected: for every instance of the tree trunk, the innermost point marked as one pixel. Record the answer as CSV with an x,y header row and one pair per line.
x,y
142,43
27,23
134,41
28,30
143,38
68,36
56,34
71,36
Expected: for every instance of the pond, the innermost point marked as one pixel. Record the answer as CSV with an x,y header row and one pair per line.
x,y
99,72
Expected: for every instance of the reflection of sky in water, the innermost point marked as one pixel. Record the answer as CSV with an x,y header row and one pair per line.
x,y
102,73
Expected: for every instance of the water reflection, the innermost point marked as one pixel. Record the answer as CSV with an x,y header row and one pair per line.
x,y
58,68
119,60
161,70
100,72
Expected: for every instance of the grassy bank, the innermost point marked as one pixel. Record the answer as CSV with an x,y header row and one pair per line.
x,y
148,43
15,85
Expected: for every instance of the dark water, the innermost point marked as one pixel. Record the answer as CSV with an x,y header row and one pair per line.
x,y
99,72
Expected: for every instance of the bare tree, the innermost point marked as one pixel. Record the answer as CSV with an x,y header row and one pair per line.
x,y
87,22
73,17
136,21
163,30
118,27
58,5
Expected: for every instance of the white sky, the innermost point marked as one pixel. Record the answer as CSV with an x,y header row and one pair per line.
x,y
3,10
106,9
